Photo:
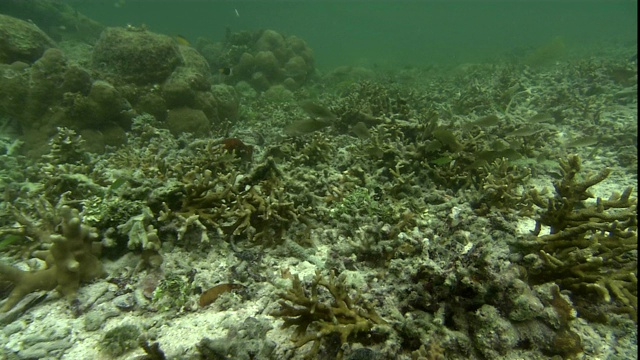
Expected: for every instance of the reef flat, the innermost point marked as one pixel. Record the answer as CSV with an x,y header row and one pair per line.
x,y
157,208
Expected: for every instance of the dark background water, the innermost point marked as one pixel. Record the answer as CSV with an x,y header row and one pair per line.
x,y
389,33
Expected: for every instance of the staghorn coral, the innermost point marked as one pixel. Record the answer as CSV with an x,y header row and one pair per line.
x,y
316,319
501,184
71,260
370,103
255,206
591,248
66,147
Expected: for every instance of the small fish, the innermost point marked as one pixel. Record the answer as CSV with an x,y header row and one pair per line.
x,y
226,71
317,111
303,127
541,117
181,40
447,138
582,142
485,121
524,131
499,145
118,4
9,239
361,131
212,294
117,184
237,13
441,161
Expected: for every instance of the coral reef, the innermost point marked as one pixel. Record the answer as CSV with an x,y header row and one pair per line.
x,y
235,163
130,71
255,208
502,187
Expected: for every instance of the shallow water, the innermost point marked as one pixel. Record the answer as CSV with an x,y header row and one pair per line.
x,y
388,33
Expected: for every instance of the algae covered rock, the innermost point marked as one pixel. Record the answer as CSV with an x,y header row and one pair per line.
x,y
186,81
180,88
227,103
60,20
120,340
187,120
45,85
21,40
13,88
135,55
194,60
104,105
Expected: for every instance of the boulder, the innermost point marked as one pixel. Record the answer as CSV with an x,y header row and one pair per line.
x,y
21,41
135,55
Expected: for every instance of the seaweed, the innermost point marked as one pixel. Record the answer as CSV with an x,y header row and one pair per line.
x,y
173,292
120,340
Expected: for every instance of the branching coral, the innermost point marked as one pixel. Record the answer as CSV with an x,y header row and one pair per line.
x,y
370,103
501,186
257,206
591,248
316,319
71,260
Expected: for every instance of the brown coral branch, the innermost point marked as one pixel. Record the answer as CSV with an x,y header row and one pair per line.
x,y
342,315
71,260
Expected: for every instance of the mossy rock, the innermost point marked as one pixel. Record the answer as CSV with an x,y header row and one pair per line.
x,y
21,41
135,55
187,120
120,340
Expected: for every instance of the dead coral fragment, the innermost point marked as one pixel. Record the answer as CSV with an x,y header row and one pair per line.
x,y
71,260
316,319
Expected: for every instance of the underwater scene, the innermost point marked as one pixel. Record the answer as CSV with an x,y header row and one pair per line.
x,y
412,180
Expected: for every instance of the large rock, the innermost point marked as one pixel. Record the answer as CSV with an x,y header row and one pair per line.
x,y
21,41
59,20
187,120
135,55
